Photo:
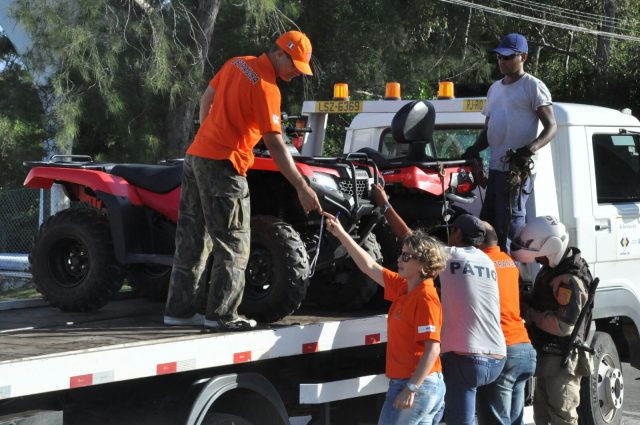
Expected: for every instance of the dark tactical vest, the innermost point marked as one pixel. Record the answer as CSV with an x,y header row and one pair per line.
x,y
543,299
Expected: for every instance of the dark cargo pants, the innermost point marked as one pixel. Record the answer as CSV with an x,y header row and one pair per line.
x,y
214,218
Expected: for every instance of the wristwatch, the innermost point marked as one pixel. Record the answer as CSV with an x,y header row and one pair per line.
x,y
412,387
386,208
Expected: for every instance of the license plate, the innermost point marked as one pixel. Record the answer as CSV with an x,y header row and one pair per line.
x,y
473,105
339,106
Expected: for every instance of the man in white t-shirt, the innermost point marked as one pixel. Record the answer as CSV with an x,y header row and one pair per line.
x,y
473,348
515,105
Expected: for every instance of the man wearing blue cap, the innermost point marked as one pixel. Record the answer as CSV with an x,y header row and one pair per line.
x,y
515,105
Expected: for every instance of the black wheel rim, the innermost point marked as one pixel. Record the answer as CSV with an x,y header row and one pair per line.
x,y
69,262
259,274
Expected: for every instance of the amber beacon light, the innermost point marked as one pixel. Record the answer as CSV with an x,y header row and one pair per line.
x,y
340,91
392,91
445,90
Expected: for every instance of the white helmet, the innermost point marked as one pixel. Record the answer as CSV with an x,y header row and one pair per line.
x,y
543,236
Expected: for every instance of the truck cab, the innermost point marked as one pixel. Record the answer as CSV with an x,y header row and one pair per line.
x,y
588,176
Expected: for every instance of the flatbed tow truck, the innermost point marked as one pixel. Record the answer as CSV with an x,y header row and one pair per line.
x,y
121,365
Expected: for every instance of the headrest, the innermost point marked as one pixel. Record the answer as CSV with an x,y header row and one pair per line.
x,y
414,122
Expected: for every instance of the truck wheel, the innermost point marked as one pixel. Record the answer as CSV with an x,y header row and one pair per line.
x,y
73,263
224,419
276,275
150,281
602,393
343,286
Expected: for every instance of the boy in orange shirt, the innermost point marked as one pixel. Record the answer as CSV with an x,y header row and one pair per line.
x,y
502,401
416,387
240,106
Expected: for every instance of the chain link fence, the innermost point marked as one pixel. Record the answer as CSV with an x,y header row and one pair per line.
x,y
19,218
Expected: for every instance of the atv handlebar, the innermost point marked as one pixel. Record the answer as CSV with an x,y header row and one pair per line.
x,y
295,130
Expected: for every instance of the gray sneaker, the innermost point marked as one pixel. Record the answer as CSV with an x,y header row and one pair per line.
x,y
195,320
239,324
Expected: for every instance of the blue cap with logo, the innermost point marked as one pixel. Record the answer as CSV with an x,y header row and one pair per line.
x,y
512,43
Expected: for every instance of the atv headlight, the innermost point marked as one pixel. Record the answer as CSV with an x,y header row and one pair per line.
x,y
325,181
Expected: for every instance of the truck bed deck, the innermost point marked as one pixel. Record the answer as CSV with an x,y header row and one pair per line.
x,y
127,339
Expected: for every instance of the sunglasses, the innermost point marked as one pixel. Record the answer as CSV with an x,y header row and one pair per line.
x,y
507,58
406,256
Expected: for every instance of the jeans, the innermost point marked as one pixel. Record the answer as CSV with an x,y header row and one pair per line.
x,y
463,375
502,401
428,401
496,206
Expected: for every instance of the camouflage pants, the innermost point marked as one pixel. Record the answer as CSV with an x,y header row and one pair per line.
x,y
556,400
214,218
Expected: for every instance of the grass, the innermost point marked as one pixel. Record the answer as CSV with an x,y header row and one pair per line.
x,y
23,293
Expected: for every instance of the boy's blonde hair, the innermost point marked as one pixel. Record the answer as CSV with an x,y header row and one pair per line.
x,y
430,252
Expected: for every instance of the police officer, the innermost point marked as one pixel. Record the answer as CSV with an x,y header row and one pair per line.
x,y
559,294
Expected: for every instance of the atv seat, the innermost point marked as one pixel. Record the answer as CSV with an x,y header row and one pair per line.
x,y
155,178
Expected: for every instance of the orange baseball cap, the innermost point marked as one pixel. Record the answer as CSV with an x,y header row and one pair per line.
x,y
298,47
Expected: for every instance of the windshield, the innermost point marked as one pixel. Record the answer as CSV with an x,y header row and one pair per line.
x,y
448,144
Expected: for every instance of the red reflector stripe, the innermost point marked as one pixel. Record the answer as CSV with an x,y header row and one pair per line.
x,y
372,339
310,347
242,357
164,368
81,381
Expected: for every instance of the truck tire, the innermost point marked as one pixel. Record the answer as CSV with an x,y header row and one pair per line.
x,y
390,245
73,263
150,281
343,286
276,275
224,419
602,393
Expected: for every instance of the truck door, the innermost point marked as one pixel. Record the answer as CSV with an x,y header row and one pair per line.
x,y
616,194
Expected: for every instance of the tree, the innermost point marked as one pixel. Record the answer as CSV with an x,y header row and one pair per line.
x,y
21,125
129,72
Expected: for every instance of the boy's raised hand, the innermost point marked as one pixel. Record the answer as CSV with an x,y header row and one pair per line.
x,y
333,225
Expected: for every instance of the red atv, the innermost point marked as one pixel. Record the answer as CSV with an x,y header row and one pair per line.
x,y
126,229
427,192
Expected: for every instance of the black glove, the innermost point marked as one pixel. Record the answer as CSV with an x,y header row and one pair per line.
x,y
524,152
472,152
520,159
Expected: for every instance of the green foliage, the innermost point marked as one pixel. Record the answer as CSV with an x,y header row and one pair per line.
x,y
21,127
123,66
119,68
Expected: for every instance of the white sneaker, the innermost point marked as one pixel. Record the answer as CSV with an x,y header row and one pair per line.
x,y
195,320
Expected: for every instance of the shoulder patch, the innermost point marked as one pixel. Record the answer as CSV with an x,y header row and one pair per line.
x,y
563,296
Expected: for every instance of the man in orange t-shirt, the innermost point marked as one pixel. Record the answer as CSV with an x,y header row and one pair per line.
x,y
502,401
240,106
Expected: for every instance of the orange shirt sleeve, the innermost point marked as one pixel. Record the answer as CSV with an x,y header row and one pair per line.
x,y
394,285
428,317
265,100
